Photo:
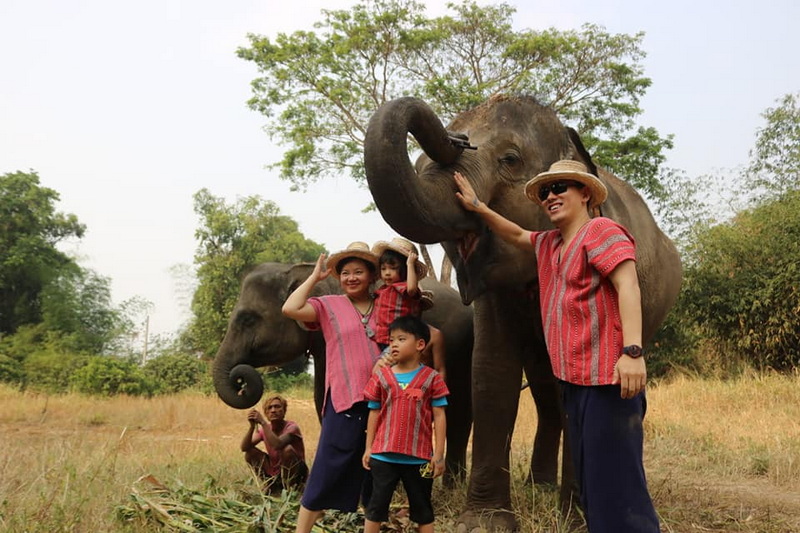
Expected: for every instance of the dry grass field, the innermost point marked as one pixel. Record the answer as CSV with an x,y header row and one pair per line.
x,y
720,455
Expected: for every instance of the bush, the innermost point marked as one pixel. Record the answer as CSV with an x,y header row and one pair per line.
x,y
676,344
109,376
10,370
742,286
51,371
173,373
280,382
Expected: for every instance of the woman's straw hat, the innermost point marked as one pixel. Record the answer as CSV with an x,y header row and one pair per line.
x,y
567,169
402,247
357,249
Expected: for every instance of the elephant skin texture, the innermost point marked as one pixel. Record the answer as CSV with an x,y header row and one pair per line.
x,y
260,335
515,139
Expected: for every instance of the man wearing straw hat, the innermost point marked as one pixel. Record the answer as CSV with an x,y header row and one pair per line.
x,y
592,317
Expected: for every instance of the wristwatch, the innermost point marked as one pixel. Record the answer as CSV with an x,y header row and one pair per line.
x,y
634,350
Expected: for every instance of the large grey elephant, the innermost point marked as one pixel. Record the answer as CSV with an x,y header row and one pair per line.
x,y
516,138
260,335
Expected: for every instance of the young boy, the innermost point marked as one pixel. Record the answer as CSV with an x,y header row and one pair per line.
x,y
400,272
405,400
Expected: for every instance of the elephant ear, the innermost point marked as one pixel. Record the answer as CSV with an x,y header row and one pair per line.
x,y
579,152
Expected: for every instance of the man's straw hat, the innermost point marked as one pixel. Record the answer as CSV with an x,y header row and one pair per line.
x,y
567,169
357,249
402,247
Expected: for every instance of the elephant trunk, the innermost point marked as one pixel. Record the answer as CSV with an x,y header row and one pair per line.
x,y
423,209
238,385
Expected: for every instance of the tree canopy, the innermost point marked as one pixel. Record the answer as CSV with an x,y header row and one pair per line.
x,y
741,291
231,240
319,88
775,160
30,229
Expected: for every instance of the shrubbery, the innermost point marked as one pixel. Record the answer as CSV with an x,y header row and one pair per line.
x,y
108,376
278,381
175,372
742,287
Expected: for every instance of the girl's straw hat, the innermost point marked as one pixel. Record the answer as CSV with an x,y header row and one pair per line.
x,y
567,169
402,247
357,249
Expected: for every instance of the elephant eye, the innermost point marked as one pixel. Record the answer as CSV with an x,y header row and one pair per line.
x,y
246,318
510,159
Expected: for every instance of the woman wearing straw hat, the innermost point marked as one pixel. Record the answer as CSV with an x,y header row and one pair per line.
x,y
592,314
400,294
347,322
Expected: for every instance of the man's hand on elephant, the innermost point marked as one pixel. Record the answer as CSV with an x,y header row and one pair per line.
x,y
466,194
631,375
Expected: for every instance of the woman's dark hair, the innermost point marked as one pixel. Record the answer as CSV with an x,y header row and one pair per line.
x,y
345,260
397,260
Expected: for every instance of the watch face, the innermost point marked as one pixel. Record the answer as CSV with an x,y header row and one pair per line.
x,y
632,350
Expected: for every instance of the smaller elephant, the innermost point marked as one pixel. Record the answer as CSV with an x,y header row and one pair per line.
x,y
260,335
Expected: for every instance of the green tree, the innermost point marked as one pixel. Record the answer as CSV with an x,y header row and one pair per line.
x,y
741,293
30,228
231,240
775,161
77,304
743,285
319,88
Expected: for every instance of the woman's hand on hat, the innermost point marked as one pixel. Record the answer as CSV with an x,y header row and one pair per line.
x,y
411,260
320,271
466,194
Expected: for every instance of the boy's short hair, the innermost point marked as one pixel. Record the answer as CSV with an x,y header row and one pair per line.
x,y
413,325
397,260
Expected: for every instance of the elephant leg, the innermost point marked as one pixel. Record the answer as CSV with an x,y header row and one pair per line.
x,y
459,421
546,397
497,374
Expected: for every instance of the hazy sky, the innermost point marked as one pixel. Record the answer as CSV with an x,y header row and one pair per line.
x,y
128,108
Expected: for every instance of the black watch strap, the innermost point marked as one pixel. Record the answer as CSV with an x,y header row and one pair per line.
x,y
634,350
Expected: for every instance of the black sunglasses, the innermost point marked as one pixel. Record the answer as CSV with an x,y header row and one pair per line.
x,y
557,187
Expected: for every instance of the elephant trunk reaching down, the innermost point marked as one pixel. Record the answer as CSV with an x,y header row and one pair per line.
x,y
386,155
239,386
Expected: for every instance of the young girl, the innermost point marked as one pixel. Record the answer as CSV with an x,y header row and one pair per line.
x,y
400,272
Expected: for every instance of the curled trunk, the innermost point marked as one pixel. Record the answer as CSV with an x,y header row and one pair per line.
x,y
240,387
423,209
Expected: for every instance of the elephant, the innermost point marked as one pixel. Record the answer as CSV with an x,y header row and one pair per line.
x,y
259,334
514,138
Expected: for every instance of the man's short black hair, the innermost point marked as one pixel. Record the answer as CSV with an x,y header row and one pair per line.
x,y
413,325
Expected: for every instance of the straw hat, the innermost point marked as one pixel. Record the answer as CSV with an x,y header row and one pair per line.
x,y
425,300
357,249
568,170
402,247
